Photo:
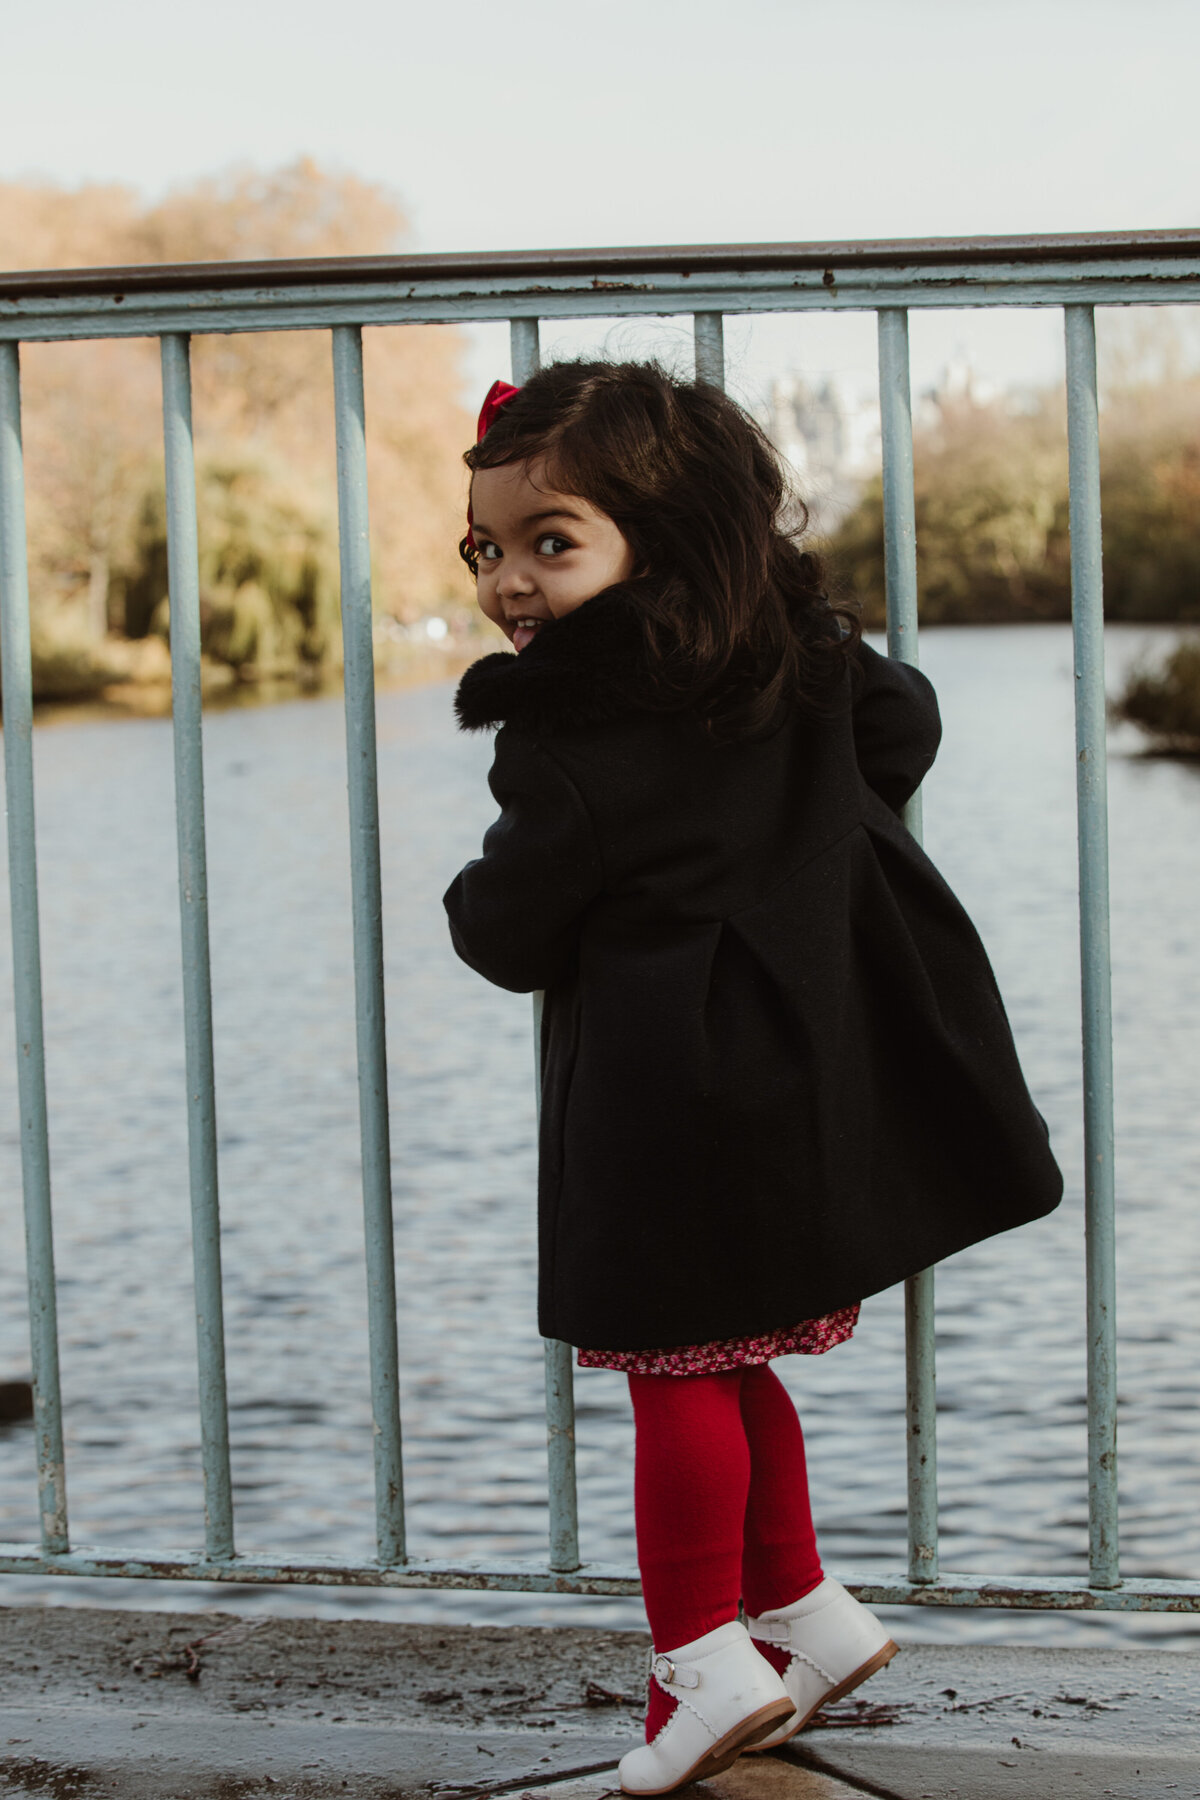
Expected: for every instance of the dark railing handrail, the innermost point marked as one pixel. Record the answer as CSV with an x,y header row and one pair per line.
x,y
677,259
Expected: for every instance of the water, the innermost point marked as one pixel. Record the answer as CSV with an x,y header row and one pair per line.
x,y
1000,822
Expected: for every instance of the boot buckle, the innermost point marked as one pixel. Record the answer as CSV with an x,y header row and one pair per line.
x,y
672,1675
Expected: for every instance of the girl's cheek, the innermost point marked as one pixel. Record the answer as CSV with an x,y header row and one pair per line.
x,y
485,599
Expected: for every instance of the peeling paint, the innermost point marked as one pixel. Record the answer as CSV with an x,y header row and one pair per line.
x,y
1020,1593
52,1495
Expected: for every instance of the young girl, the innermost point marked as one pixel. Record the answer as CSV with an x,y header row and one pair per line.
x,y
776,1071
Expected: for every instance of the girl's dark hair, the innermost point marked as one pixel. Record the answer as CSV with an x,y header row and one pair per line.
x,y
735,613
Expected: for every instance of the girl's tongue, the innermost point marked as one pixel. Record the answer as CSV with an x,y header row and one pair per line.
x,y
523,635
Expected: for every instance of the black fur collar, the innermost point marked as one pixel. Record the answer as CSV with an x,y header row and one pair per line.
x,y
583,669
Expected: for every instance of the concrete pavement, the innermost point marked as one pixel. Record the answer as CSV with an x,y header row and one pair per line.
x,y
162,1706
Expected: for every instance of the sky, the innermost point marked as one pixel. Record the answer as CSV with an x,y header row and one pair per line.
x,y
546,123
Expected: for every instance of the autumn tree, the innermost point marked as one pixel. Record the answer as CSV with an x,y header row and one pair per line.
x,y
990,492
263,408
992,515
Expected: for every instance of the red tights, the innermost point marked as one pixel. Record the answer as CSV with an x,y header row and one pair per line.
x,y
721,1502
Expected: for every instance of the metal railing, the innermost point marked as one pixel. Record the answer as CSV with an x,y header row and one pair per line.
x,y
1075,273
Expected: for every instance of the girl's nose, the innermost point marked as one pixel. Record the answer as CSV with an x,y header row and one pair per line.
x,y
514,580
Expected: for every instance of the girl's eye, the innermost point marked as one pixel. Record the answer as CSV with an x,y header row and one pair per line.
x,y
488,552
552,545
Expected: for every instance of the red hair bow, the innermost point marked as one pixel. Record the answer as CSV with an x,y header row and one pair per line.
x,y
495,400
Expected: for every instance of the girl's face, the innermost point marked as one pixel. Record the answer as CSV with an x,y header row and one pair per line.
x,y
541,553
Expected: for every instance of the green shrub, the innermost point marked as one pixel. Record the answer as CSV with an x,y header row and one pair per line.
x,y
993,538
268,573
1165,702
67,665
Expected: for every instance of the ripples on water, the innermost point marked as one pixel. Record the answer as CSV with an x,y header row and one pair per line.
x,y
1012,1446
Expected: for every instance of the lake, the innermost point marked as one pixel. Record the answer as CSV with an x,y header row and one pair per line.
x,y
999,810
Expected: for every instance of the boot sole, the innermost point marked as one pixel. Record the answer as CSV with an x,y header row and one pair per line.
x,y
726,1750
871,1667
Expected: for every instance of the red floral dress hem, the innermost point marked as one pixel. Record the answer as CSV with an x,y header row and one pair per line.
x,y
812,1337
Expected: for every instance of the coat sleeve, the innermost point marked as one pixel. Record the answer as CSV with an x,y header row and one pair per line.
x,y
897,727
514,911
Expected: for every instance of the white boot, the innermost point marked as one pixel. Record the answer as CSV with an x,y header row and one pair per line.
x,y
835,1643
728,1697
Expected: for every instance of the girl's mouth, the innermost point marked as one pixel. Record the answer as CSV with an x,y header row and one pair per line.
x,y
524,632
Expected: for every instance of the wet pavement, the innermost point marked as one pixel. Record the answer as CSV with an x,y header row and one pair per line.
x,y
128,1705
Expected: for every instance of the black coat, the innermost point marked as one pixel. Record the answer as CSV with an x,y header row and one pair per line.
x,y
777,1072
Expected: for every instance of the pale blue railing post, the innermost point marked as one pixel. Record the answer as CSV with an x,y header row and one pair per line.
x,y
16,659
367,908
525,349
708,336
784,278
183,580
1091,775
560,1372
900,563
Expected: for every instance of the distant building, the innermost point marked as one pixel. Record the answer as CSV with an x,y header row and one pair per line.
x,y
830,438
958,385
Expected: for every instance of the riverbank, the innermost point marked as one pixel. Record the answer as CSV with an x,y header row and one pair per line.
x,y
141,678
124,1705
